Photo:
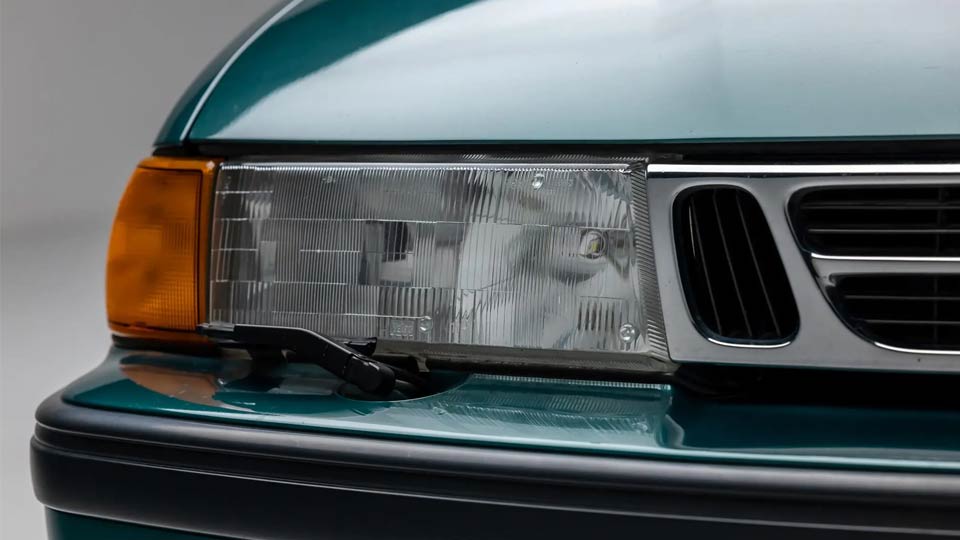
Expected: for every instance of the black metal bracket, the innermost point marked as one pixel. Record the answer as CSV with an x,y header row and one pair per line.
x,y
345,362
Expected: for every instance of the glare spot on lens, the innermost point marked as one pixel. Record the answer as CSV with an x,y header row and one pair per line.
x,y
425,324
592,244
537,182
628,333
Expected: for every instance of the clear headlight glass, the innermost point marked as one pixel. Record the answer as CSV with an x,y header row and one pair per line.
x,y
499,260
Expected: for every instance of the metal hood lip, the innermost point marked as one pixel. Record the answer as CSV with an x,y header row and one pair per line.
x,y
463,71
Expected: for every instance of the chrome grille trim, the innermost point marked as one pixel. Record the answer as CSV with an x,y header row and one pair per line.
x,y
828,268
748,345
826,170
824,340
646,263
914,351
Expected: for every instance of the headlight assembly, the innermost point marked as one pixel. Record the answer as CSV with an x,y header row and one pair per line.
x,y
515,262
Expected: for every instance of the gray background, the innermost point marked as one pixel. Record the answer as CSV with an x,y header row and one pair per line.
x,y
84,88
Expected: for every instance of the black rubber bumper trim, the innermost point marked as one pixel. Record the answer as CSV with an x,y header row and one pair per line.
x,y
246,482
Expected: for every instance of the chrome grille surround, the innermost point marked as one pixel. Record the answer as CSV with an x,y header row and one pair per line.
x,y
646,261
823,339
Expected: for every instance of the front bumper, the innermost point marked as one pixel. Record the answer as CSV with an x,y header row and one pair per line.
x,y
248,482
176,442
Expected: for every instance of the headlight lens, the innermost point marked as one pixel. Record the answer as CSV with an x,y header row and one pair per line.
x,y
434,259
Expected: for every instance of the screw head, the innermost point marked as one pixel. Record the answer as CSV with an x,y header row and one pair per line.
x,y
628,333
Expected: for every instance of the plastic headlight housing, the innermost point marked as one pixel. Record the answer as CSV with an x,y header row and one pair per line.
x,y
521,262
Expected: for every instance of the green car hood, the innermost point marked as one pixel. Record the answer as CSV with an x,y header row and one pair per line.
x,y
572,71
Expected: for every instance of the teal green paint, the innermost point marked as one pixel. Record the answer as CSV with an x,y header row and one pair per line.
x,y
310,38
643,421
623,72
172,129
62,526
176,123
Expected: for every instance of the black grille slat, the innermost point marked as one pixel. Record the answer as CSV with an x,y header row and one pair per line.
x,y
879,230
880,206
729,260
697,237
879,220
734,280
756,266
919,323
904,310
902,298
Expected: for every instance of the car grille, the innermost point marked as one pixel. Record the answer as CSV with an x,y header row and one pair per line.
x,y
734,280
880,221
910,224
909,311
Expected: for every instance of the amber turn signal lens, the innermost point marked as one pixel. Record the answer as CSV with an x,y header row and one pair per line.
x,y
156,263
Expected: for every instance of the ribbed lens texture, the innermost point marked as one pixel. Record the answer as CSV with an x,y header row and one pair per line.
x,y
152,262
504,256
880,220
733,276
903,310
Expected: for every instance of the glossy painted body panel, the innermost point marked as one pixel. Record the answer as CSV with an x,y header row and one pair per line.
x,y
63,526
610,70
646,421
174,129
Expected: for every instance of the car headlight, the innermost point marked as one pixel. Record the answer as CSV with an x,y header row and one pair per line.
x,y
502,261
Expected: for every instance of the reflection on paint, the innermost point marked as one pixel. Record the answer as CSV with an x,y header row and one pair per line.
x,y
604,70
627,419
